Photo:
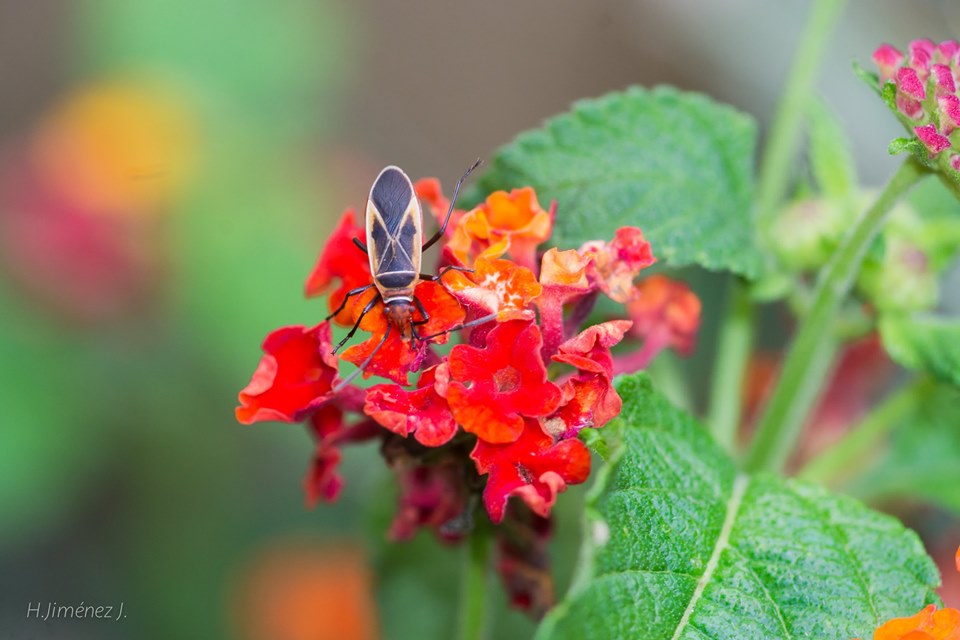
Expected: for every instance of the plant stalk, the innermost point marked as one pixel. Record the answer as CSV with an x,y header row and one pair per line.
x,y
810,353
474,585
735,343
783,136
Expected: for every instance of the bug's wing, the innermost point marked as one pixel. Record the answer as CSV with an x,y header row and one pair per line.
x,y
394,229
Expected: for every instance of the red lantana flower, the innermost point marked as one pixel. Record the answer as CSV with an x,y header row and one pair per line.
x,y
399,355
589,399
422,412
294,376
485,417
535,468
492,389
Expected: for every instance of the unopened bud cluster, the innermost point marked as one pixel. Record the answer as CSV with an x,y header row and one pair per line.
x,y
926,81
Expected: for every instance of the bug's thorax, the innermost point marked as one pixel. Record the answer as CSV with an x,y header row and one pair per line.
x,y
399,312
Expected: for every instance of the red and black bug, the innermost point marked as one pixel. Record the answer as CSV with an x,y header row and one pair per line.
x,y
394,225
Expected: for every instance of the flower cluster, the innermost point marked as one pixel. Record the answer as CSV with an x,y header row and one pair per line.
x,y
926,81
498,414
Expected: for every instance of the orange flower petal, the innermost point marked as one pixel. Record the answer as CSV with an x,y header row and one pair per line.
x,y
666,310
496,286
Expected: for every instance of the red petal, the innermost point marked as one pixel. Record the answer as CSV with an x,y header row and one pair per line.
x,y
491,389
399,356
323,482
294,376
340,259
422,412
534,468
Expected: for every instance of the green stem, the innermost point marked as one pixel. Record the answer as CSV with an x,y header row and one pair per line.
x,y
736,333
850,451
735,343
809,356
473,586
783,136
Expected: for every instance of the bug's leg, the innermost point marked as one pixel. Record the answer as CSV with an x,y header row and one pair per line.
x,y
364,364
425,317
350,294
356,326
447,269
463,325
456,191
359,245
414,336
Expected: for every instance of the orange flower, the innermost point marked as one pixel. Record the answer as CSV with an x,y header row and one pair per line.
x,y
299,590
563,276
399,356
119,147
513,223
666,311
929,624
496,286
617,263
565,268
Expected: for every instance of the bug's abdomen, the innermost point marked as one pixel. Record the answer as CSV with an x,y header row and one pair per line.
x,y
396,280
394,234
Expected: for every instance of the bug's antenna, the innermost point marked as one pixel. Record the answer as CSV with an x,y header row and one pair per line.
x,y
343,383
456,191
463,325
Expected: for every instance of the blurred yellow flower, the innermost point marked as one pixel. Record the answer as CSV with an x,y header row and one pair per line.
x,y
117,147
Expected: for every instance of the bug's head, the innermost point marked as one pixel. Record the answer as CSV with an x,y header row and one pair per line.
x,y
400,314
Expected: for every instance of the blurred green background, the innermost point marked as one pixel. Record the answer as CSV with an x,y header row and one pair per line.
x,y
169,171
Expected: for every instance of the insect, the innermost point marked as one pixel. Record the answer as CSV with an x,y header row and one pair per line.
x,y
395,246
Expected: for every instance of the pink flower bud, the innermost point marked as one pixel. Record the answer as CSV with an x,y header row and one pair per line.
x,y
909,84
947,51
955,161
949,113
944,79
933,141
887,58
921,53
909,107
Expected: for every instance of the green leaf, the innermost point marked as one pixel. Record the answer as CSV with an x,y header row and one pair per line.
x,y
677,165
921,461
869,77
830,157
924,342
679,544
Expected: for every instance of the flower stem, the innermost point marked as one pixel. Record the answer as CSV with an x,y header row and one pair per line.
x,y
855,446
811,351
735,343
736,332
783,136
473,586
